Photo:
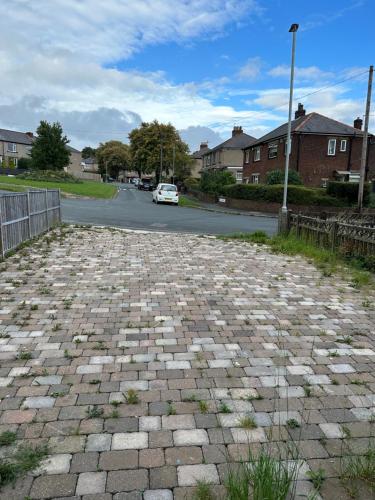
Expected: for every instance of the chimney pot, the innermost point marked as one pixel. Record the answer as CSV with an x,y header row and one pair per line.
x,y
203,145
358,123
236,130
30,134
300,111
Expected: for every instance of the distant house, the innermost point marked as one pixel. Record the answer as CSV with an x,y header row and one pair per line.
x,y
13,146
197,158
322,149
229,154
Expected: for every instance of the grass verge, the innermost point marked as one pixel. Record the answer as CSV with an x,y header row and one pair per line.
x,y
327,261
85,188
183,201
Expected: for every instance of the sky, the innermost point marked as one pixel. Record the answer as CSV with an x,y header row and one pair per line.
x,y
101,68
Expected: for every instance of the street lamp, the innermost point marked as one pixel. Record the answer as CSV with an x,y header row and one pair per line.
x,y
293,29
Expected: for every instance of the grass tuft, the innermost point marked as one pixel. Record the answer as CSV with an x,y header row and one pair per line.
x,y
7,438
24,460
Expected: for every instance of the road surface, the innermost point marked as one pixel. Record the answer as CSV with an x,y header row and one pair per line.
x,y
133,209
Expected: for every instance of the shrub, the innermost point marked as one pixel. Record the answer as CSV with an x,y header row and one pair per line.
x,y
213,182
348,191
191,182
50,176
278,176
297,195
25,163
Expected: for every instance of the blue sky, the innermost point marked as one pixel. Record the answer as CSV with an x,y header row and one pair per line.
x,y
204,65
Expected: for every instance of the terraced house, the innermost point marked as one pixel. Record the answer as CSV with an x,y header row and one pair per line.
x,y
13,146
229,154
322,149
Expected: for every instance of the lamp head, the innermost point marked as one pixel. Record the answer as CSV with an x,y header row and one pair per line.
x,y
293,28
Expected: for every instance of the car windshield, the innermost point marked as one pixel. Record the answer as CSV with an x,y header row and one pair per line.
x,y
168,187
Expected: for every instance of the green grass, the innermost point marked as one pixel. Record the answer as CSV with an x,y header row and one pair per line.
x,y
7,438
183,201
203,491
360,467
85,188
25,459
327,261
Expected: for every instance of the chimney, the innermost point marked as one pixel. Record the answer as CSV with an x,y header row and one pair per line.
x,y
203,145
300,111
236,130
358,123
30,134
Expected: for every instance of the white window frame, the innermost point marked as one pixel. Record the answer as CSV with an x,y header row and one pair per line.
x,y
239,176
247,156
343,145
12,147
272,145
254,178
257,154
329,151
325,182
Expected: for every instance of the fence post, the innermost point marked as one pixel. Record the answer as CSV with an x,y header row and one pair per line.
x,y
46,203
298,225
59,192
2,239
334,229
284,222
29,213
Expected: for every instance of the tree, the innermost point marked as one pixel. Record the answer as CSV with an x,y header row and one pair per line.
x,y
278,176
25,163
88,152
155,147
49,150
213,181
113,156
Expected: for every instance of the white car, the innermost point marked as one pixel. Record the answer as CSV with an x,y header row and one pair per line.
x,y
165,193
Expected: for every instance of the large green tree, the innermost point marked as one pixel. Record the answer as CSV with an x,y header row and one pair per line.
x,y
155,147
113,156
49,150
88,152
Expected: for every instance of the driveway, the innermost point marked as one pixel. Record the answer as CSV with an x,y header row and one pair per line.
x,y
146,362
134,209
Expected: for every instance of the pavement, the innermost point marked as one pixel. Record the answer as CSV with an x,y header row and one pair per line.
x,y
148,351
134,209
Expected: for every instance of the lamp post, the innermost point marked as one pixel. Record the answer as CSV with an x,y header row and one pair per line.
x,y
293,29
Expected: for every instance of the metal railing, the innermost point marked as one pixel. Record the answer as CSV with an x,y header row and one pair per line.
x,y
26,215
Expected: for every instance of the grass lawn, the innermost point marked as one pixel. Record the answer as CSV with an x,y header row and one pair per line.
x,y
183,201
86,188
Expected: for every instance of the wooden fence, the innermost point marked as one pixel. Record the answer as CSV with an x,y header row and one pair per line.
x,y
26,215
354,236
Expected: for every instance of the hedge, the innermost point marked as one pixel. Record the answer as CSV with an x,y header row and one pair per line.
x,y
297,195
348,191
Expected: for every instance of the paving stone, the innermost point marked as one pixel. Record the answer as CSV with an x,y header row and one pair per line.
x,y
173,422
91,482
98,442
39,402
116,460
149,423
128,441
55,464
189,475
184,455
151,458
190,437
163,477
158,495
85,462
127,480
53,486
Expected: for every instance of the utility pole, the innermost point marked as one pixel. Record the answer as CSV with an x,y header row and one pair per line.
x,y
365,141
161,159
173,161
293,29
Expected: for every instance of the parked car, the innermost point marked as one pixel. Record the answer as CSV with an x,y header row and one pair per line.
x,y
167,193
145,185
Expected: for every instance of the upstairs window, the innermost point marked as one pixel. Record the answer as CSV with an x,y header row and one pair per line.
x,y
343,144
247,156
257,154
12,147
272,150
331,147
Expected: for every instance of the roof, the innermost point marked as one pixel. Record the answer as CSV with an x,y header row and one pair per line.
x,y
198,154
72,150
313,123
90,161
237,141
17,137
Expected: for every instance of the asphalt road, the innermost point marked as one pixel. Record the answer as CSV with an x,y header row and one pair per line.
x,y
133,209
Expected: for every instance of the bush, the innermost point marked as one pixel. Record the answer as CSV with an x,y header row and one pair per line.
x,y
25,163
297,195
348,191
213,182
191,183
278,176
49,176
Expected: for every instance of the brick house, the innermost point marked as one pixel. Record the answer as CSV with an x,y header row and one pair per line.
x,y
322,149
13,146
229,154
197,160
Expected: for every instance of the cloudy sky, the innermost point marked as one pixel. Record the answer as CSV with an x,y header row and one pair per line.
x,y
102,67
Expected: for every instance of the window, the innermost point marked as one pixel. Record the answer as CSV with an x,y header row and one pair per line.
x,y
331,147
255,178
257,154
272,150
12,147
343,145
238,176
324,182
247,156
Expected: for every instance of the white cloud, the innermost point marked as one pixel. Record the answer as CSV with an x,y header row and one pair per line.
x,y
309,73
251,69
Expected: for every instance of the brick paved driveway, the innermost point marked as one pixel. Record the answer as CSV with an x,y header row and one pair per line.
x,y
193,327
